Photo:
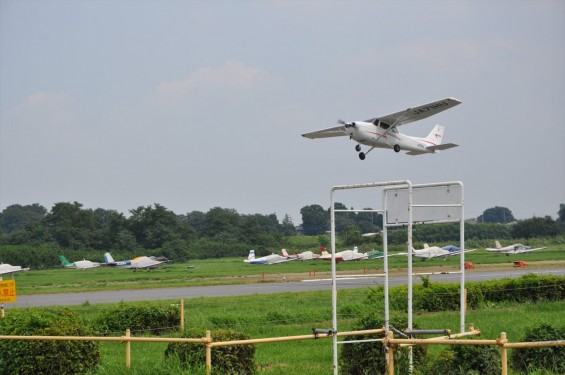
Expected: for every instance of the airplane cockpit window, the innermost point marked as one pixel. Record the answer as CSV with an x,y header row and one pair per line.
x,y
384,125
394,130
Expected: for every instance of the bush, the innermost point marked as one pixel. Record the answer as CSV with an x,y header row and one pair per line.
x,y
550,358
139,319
46,357
466,359
236,359
369,357
445,297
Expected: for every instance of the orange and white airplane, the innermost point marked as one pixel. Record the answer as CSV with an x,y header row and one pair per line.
x,y
135,263
382,132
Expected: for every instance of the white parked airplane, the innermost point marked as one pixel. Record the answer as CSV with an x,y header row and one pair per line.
x,y
429,252
517,248
343,256
268,259
79,264
135,263
6,269
382,132
306,255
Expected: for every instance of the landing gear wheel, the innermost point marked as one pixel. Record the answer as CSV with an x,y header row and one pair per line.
x,y
362,155
396,148
358,148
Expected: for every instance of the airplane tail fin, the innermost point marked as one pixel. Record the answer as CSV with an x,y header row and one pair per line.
x,y
64,260
323,250
497,244
355,249
284,253
251,255
108,258
436,135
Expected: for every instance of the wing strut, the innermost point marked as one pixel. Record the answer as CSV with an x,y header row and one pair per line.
x,y
394,124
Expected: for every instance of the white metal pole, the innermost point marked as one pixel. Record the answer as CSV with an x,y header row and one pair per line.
x,y
462,247
410,268
385,265
334,283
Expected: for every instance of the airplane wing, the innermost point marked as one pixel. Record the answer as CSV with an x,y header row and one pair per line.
x,y
417,113
336,131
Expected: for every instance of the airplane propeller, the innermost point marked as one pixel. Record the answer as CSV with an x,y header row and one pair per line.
x,y
346,124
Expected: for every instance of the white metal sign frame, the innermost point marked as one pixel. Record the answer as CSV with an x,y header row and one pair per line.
x,y
429,209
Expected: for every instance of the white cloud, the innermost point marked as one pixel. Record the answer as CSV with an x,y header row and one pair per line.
x,y
44,108
234,76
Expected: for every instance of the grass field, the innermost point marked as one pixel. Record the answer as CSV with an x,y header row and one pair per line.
x,y
286,313
289,314
235,271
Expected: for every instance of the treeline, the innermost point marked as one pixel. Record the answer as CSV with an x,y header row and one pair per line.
x,y
154,230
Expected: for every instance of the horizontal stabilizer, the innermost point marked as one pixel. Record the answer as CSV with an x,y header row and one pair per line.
x,y
432,149
444,146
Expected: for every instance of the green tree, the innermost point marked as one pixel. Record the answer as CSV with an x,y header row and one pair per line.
x,y
535,227
222,222
287,225
315,220
15,217
70,226
351,236
496,215
155,226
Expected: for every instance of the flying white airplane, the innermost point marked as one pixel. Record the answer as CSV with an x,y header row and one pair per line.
x,y
79,264
6,269
268,259
382,132
343,256
517,248
306,255
429,252
135,263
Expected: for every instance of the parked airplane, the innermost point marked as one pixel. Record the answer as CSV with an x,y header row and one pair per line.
x,y
7,269
79,264
429,252
135,263
517,248
306,255
268,259
382,132
376,254
343,256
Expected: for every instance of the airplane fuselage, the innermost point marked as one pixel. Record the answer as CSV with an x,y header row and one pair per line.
x,y
369,134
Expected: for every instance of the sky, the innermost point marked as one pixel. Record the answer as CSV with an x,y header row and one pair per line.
x,y
201,104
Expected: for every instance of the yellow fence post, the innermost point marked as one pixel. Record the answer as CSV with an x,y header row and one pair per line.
x,y
390,353
503,353
182,314
2,311
208,353
465,299
128,348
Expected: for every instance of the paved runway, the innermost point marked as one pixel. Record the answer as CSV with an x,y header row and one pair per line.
x,y
63,299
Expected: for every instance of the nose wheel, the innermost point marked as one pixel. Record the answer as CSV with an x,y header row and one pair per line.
x,y
396,148
358,148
